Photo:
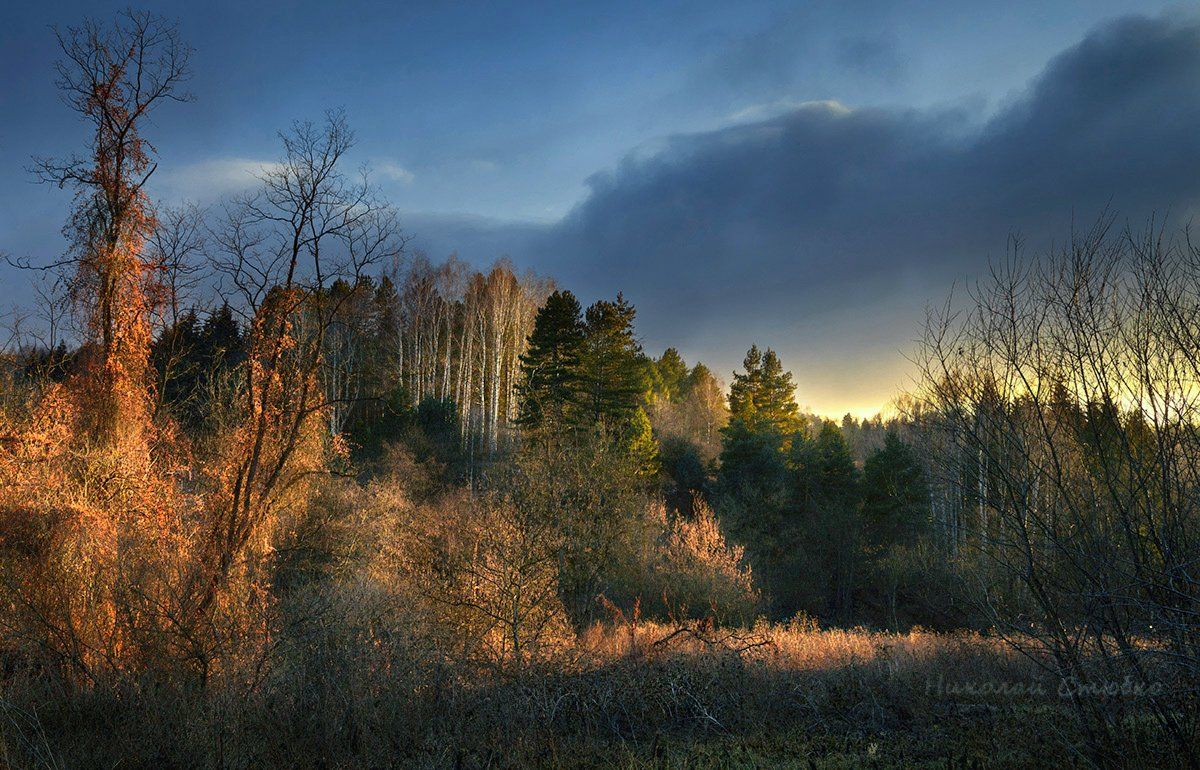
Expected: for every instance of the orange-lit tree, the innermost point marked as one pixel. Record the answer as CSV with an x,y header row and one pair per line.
x,y
86,496
115,77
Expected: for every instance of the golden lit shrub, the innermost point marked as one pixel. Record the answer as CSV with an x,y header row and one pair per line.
x,y
700,573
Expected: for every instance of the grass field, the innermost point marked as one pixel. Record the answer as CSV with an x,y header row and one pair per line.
x,y
649,695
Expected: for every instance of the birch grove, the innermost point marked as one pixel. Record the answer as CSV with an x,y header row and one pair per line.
x,y
437,331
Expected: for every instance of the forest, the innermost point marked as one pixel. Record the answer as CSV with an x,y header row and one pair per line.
x,y
277,489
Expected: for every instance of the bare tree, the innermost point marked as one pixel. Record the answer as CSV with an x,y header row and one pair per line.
x,y
1064,399
177,249
309,224
85,461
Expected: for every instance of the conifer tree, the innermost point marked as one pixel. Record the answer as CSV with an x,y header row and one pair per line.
x,y
754,477
895,504
550,386
384,342
671,376
764,396
190,358
827,499
824,467
613,369
763,418
614,379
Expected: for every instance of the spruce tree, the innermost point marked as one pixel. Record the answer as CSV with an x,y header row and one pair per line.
x,y
895,504
191,358
613,369
550,383
827,501
824,468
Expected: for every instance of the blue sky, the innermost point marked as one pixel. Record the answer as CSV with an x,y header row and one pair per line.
x,y
744,172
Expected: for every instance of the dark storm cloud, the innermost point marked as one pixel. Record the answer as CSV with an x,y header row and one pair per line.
x,y
799,214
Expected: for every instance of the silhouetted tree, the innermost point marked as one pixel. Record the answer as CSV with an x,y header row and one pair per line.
x,y
827,495
895,496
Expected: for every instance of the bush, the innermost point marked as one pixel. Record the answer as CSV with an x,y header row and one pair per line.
x,y
699,574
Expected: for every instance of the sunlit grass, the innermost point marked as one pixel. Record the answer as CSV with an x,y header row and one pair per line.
x,y
624,694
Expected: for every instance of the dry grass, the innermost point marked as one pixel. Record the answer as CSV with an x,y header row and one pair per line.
x,y
800,645
628,694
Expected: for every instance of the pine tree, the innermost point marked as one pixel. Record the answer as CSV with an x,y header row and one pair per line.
x,y
764,396
754,477
763,412
550,384
614,379
588,376
745,385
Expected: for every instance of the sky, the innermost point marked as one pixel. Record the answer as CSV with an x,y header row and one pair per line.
x,y
804,176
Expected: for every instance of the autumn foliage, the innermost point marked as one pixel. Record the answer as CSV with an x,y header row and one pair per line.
x,y
93,523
